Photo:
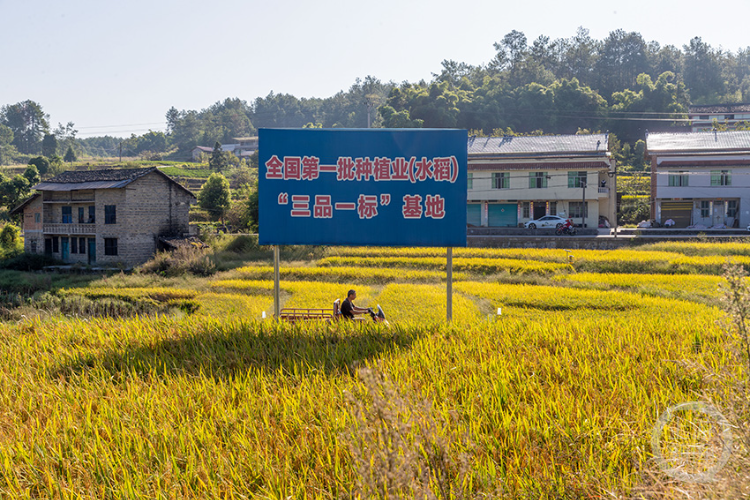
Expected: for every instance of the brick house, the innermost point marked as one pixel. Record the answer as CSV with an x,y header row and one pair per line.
x,y
104,216
512,180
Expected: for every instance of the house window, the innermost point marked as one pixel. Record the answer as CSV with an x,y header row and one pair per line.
x,y
110,214
500,180
33,247
678,179
732,208
37,217
74,245
553,208
55,244
526,209
470,180
92,214
705,209
575,209
48,246
537,180
729,117
110,246
67,215
721,177
576,179
81,215
82,245
703,117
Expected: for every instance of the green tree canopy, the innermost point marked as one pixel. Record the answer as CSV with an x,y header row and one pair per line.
x,y
49,145
215,196
70,155
29,124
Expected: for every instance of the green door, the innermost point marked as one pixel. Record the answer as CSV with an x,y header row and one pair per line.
x,y
502,215
64,248
474,214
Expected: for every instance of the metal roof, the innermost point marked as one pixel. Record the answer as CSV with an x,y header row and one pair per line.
x,y
539,145
741,107
734,140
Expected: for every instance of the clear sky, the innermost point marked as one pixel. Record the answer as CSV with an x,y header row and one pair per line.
x,y
117,67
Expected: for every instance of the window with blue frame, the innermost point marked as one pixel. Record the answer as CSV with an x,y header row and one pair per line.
x,y
67,215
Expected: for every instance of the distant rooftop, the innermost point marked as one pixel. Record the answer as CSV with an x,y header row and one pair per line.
x,y
539,145
719,108
733,140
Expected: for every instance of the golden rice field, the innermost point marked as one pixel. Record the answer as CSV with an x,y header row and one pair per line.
x,y
556,397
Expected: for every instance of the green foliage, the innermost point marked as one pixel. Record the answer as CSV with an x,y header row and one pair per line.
x,y
70,155
252,208
41,164
31,174
13,190
10,237
215,196
219,160
28,122
49,145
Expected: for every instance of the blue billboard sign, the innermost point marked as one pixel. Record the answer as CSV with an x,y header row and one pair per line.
x,y
383,187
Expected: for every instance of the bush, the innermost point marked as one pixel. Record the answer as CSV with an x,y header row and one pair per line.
x,y
28,262
10,237
184,260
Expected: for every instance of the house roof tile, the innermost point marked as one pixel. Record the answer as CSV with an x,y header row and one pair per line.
x,y
111,178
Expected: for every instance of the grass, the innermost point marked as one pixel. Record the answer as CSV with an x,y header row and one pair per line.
x,y
555,398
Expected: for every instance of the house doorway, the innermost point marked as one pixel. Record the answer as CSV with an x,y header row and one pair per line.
x,y
92,250
718,216
64,248
540,209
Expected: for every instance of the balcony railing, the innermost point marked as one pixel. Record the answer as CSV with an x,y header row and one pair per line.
x,y
70,228
603,190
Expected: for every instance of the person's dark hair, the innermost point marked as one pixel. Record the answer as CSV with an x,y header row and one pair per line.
x,y
350,293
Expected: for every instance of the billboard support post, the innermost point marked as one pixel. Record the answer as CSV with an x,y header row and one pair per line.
x,y
276,301
449,267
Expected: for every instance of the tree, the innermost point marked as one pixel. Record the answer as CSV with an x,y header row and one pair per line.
x,y
70,155
252,207
13,190
32,175
7,150
28,123
49,145
66,135
41,164
10,237
218,160
215,196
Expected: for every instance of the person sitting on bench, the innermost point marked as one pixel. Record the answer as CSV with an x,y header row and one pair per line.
x,y
348,309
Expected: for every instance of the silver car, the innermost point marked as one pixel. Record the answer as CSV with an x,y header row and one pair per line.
x,y
548,221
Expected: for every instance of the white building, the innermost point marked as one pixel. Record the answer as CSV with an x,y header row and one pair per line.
x,y
516,179
702,117
700,178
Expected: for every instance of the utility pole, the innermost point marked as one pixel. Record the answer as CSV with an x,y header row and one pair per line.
x,y
370,107
121,152
583,204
